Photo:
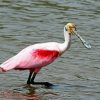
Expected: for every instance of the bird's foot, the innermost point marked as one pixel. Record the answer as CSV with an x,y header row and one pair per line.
x,y
46,84
28,82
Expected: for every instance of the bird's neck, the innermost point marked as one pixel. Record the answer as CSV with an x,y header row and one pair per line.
x,y
64,46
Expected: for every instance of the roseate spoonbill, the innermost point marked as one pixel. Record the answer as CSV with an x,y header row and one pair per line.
x,y
36,56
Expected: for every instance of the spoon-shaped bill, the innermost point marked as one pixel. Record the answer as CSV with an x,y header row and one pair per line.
x,y
86,44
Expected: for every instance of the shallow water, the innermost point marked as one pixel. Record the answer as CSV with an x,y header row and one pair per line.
x,y
76,74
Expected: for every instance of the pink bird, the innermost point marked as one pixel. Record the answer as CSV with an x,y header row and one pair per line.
x,y
36,56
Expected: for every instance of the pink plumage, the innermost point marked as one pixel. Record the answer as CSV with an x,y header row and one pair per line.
x,y
38,59
30,58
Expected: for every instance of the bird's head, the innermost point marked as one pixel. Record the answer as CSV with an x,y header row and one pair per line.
x,y
70,28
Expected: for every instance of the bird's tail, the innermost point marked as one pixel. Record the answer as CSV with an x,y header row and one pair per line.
x,y
8,65
1,70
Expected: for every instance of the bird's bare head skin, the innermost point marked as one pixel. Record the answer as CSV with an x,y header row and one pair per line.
x,y
70,27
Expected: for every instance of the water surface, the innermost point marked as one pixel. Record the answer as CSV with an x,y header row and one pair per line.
x,y
76,74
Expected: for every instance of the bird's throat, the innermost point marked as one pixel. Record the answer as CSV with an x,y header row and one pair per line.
x,y
65,46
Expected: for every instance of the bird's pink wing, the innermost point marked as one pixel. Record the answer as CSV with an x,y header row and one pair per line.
x,y
32,59
44,57
37,59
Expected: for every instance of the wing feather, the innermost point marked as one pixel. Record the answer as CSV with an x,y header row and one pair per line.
x,y
30,60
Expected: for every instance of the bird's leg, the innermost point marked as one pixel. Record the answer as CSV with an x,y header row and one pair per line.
x,y
29,78
47,84
33,77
